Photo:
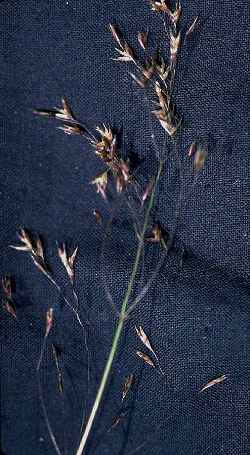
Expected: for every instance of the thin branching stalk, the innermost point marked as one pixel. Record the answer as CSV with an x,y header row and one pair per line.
x,y
45,414
147,286
122,318
49,323
37,367
59,289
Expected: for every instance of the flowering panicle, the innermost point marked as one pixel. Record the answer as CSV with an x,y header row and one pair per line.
x,y
175,41
163,70
162,6
126,53
101,182
145,73
105,146
166,112
34,247
155,71
65,114
68,261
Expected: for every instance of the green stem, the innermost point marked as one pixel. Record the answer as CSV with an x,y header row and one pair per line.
x,y
122,318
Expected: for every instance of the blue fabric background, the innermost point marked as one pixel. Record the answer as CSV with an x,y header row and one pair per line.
x,y
198,314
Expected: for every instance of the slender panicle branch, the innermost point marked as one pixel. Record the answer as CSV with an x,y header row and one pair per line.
x,y
122,318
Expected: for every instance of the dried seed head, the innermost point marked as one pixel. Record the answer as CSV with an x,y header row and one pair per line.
x,y
116,34
192,149
39,248
147,191
101,182
174,46
126,54
65,113
192,26
121,171
175,15
129,50
142,82
44,112
68,261
127,386
149,68
62,254
72,129
156,235
8,303
143,337
145,340
9,306
7,287
105,133
199,158
125,169
166,117
163,97
105,146
25,239
119,184
98,216
214,382
49,321
66,110
106,149
167,121
169,126
143,39
160,6
162,69
145,358
40,264
71,259
34,248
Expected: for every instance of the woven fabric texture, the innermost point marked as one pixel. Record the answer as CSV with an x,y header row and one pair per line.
x,y
197,311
